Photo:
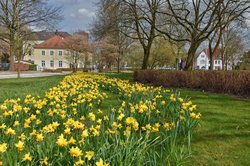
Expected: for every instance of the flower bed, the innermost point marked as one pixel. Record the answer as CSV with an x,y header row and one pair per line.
x,y
72,126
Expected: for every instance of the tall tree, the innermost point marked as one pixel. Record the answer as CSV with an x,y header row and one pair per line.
x,y
107,28
140,18
198,19
78,49
16,16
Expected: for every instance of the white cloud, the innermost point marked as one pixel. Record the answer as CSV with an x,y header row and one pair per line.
x,y
72,15
86,12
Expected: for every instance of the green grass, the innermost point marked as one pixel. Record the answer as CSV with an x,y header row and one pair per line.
x,y
122,75
14,88
223,137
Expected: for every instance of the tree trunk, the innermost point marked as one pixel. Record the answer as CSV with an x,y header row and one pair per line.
x,y
19,68
12,54
190,58
145,58
118,64
211,54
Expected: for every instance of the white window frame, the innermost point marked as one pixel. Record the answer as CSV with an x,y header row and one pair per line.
x,y
202,62
43,52
52,63
52,53
43,63
60,63
60,52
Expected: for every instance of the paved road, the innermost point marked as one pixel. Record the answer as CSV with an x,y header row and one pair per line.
x,y
7,74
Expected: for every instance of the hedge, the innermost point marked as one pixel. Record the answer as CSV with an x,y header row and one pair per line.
x,y
228,82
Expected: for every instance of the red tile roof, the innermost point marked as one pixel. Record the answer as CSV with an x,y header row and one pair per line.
x,y
43,35
217,53
55,42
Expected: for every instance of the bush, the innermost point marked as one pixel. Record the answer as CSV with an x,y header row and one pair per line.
x,y
53,70
228,82
66,69
33,67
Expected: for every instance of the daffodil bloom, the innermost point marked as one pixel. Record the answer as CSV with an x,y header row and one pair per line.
x,y
79,162
89,155
101,163
10,131
71,141
3,147
16,123
75,152
44,161
27,157
39,137
61,141
85,134
20,145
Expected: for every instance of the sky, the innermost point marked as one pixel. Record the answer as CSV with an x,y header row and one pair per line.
x,y
78,14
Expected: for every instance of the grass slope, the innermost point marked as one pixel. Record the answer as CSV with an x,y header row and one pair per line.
x,y
224,134
222,138
14,88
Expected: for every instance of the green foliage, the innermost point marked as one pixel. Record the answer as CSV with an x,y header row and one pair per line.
x,y
33,67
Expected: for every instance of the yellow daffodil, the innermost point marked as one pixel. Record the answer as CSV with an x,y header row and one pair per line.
x,y
75,152
20,145
89,155
3,147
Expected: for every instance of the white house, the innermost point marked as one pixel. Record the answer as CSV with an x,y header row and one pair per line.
x,y
202,60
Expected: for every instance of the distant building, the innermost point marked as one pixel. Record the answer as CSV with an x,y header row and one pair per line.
x,y
47,49
202,60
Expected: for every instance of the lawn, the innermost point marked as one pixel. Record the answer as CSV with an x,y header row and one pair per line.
x,y
221,139
14,88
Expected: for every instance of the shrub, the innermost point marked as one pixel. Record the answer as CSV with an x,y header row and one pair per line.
x,y
228,82
33,67
53,70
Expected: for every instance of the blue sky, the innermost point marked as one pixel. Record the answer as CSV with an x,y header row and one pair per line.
x,y
78,14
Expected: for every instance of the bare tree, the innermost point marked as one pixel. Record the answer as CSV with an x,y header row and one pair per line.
x,y
198,19
140,19
232,48
78,50
16,16
107,28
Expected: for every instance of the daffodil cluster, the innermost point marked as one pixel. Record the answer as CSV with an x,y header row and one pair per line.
x,y
94,120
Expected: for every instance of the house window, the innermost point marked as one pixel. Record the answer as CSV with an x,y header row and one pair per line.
x,y
51,63
218,62
60,63
43,53
215,62
51,53
202,62
43,63
60,53
202,56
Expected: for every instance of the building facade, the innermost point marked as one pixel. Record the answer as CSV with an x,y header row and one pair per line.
x,y
202,61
